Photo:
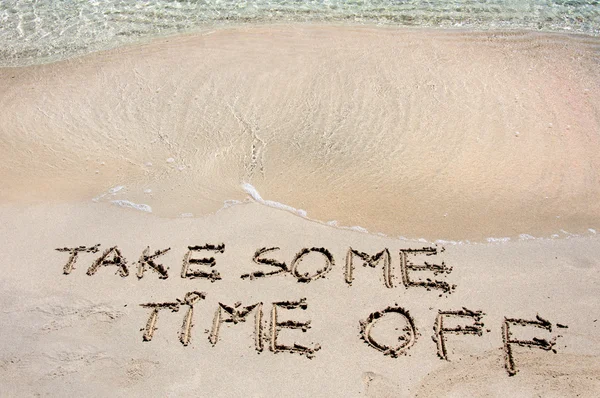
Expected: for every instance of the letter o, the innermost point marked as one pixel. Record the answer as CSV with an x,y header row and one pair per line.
x,y
407,340
321,272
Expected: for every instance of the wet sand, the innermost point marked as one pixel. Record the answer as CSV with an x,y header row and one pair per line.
x,y
415,133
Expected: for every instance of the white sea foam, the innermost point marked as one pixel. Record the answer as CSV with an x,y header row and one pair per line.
x,y
250,190
448,242
256,196
526,237
498,240
569,234
229,203
116,189
112,191
129,204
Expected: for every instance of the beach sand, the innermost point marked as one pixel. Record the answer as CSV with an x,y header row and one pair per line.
x,y
485,139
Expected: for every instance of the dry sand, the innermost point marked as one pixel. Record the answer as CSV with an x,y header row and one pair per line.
x,y
80,334
441,135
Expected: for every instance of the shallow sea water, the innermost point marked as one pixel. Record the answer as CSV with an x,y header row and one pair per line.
x,y
417,133
34,31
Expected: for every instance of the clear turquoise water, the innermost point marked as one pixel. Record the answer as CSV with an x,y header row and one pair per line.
x,y
33,31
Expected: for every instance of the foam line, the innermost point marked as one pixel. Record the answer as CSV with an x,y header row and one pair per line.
x,y
250,190
129,204
255,195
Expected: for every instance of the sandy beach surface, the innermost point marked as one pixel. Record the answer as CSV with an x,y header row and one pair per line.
x,y
260,157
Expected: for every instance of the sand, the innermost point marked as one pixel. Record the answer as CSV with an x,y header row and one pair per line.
x,y
81,334
441,135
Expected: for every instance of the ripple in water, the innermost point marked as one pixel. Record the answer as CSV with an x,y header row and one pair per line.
x,y
36,32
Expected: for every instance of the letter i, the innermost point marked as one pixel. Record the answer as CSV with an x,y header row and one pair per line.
x,y
190,299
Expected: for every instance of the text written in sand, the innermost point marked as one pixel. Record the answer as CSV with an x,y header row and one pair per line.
x,y
412,268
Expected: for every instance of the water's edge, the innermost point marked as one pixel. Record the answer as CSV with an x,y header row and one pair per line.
x,y
255,197
34,33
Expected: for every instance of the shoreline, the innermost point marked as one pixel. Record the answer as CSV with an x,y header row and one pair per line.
x,y
119,205
255,197
209,29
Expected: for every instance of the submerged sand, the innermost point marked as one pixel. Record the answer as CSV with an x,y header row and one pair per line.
x,y
434,134
415,133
